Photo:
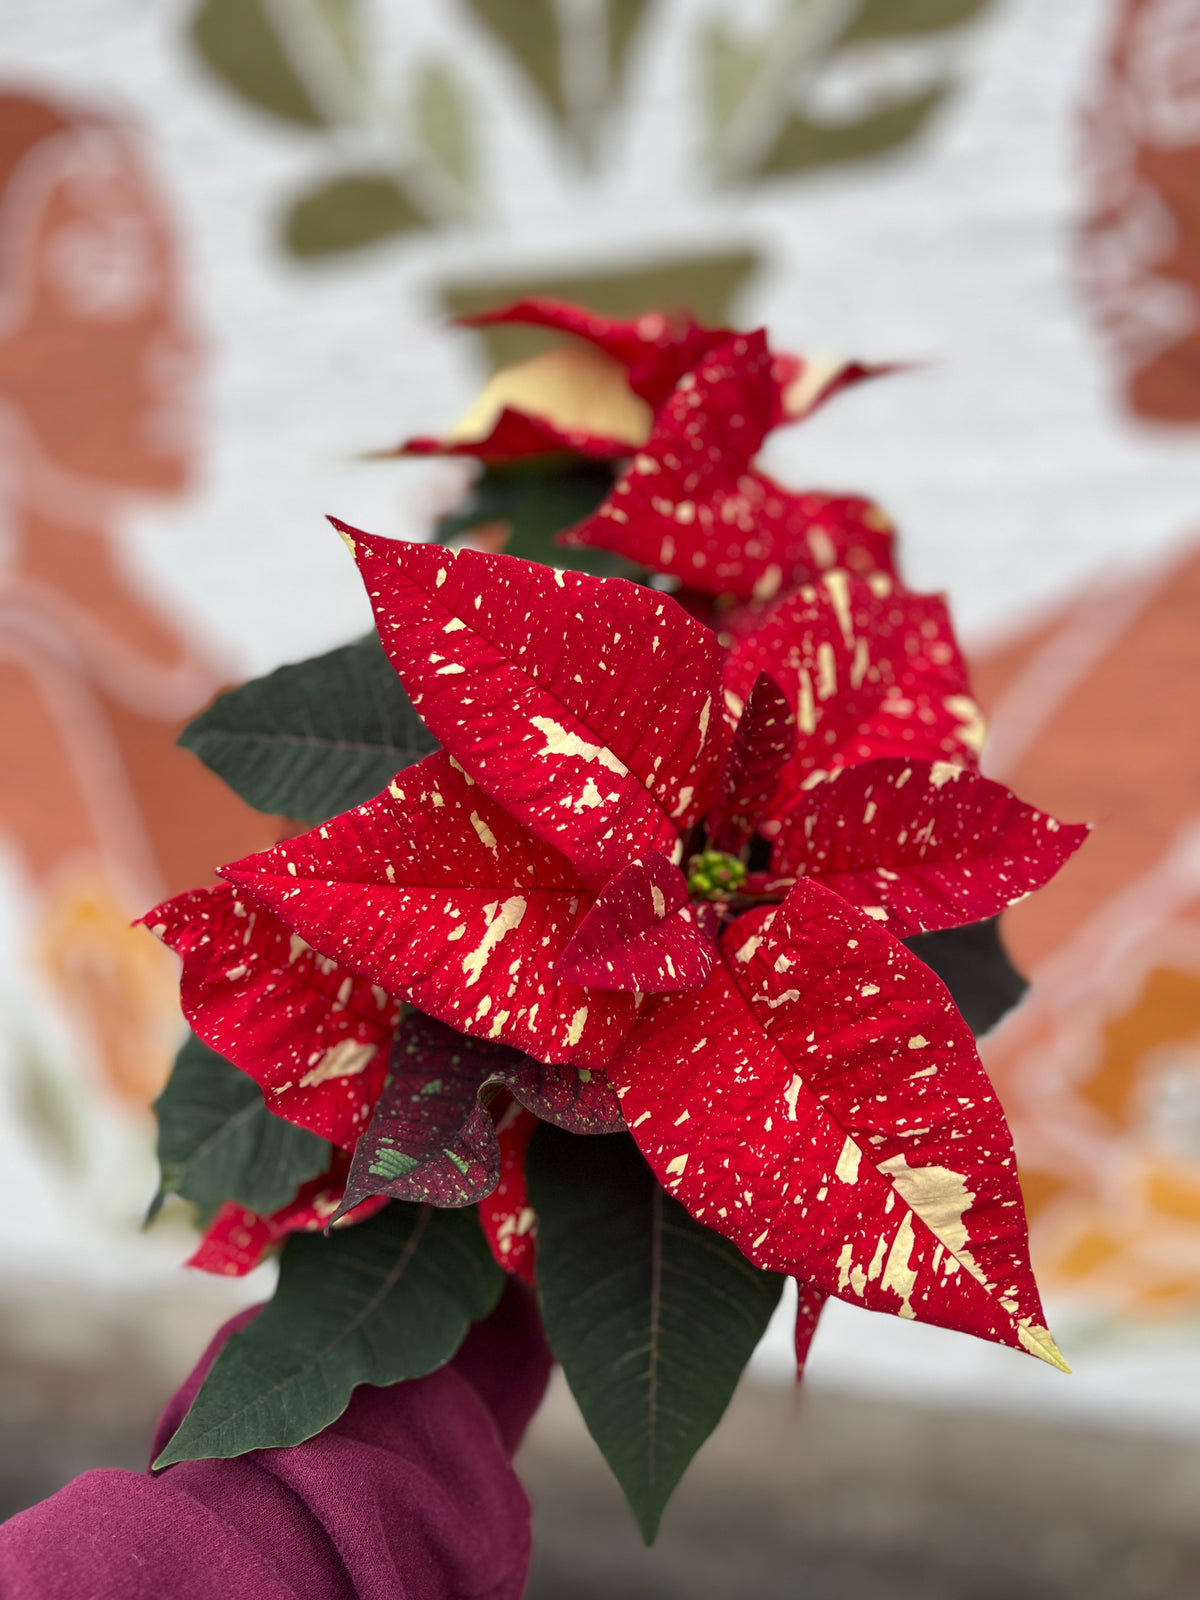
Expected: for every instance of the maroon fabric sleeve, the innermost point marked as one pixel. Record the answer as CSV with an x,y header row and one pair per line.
x,y
410,1495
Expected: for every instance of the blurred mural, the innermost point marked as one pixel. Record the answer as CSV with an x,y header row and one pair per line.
x,y
1094,711
230,232
99,360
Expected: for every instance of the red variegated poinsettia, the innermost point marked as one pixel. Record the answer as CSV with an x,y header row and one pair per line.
x,y
563,878
598,396
693,505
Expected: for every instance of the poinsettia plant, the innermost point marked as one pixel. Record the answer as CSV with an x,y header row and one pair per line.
x,y
591,970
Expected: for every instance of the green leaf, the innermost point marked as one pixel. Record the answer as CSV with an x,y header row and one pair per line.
x,y
387,1299
217,1141
442,122
313,739
652,1315
974,965
539,501
529,31
237,40
803,144
349,212
891,19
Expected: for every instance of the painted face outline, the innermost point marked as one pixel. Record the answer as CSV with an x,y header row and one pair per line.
x,y
92,291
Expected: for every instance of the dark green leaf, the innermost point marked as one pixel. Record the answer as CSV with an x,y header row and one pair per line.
x,y
539,501
348,212
313,739
803,144
217,1141
387,1299
529,31
973,964
237,40
890,19
652,1316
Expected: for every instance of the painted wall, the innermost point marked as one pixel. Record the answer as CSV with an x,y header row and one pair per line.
x,y
230,233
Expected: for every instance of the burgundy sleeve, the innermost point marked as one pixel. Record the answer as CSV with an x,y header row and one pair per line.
x,y
409,1495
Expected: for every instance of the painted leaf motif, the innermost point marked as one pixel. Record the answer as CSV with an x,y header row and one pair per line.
x,y
217,1141
917,845
238,1238
809,1304
827,1111
762,742
437,895
389,1300
311,739
639,934
349,212
508,1220
588,707
868,669
312,1035
692,505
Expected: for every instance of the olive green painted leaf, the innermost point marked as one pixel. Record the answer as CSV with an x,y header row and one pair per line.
x,y
349,212
706,285
890,19
974,965
529,30
388,1299
237,40
217,1141
652,1316
803,144
342,22
443,122
313,739
731,66
625,18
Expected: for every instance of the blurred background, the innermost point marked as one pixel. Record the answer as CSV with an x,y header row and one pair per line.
x,y
231,234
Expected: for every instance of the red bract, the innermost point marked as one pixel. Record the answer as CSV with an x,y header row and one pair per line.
x,y
236,1240
822,1104
507,1218
915,844
657,351
809,1304
692,504
819,1100
314,1036
868,670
